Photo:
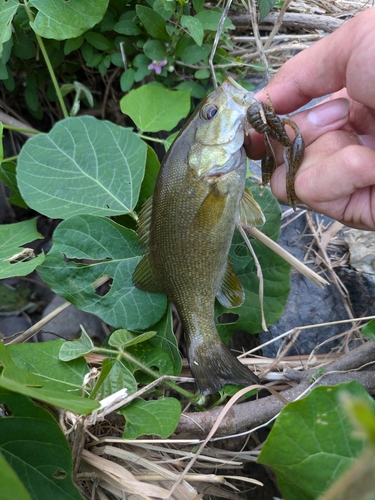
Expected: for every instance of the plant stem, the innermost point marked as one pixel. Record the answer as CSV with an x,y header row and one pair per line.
x,y
147,138
19,129
11,158
146,369
48,63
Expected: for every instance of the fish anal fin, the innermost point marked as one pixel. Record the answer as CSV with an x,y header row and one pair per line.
x,y
250,212
231,292
144,277
144,222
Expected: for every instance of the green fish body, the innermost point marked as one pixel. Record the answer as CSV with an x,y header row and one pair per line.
x,y
187,227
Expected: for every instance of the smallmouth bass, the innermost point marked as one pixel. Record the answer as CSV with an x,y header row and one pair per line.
x,y
187,227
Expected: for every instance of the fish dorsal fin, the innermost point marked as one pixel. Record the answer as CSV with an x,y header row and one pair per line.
x,y
250,212
231,292
144,277
144,222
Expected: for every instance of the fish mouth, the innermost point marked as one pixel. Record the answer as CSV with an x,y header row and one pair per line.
x,y
238,93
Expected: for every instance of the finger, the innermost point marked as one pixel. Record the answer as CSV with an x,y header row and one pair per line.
x,y
325,150
329,65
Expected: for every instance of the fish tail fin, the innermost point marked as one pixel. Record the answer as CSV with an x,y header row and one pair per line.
x,y
214,366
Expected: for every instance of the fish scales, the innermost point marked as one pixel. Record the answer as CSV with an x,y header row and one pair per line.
x,y
188,232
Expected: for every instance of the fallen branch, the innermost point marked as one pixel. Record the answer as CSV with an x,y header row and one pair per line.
x,y
243,417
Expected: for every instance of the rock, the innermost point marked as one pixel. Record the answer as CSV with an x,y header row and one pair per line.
x,y
9,325
67,324
307,303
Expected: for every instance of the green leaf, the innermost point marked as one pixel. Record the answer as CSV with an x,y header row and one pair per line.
x,y
42,359
201,74
127,27
210,19
73,44
83,165
33,444
8,177
196,90
11,485
264,8
312,438
114,376
369,330
195,28
155,50
127,79
154,358
153,22
165,340
12,237
114,251
194,54
276,273
158,418
98,40
13,372
76,348
123,338
59,20
54,398
154,108
7,10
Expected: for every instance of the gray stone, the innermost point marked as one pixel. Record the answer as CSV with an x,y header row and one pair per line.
x,y
67,324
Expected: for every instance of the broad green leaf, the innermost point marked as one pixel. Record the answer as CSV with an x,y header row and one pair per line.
x,y
13,372
42,359
196,90
155,50
158,418
165,339
194,54
11,485
195,28
123,338
369,330
8,177
14,259
153,357
276,273
114,376
164,8
32,443
264,8
74,349
153,22
83,165
312,443
60,399
98,40
210,19
7,10
154,108
127,79
114,251
127,27
59,20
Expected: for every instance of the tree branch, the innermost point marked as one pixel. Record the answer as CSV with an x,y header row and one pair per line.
x,y
243,417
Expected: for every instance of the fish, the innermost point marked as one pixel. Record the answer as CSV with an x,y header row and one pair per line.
x,y
187,228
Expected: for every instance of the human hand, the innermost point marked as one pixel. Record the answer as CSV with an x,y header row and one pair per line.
x,y
337,175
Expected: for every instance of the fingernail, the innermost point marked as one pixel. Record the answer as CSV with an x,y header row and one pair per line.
x,y
329,112
367,140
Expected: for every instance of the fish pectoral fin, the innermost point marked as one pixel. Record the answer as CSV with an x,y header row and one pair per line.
x,y
144,277
144,222
250,212
211,210
231,292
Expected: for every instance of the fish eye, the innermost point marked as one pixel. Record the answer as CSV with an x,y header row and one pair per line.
x,y
209,111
